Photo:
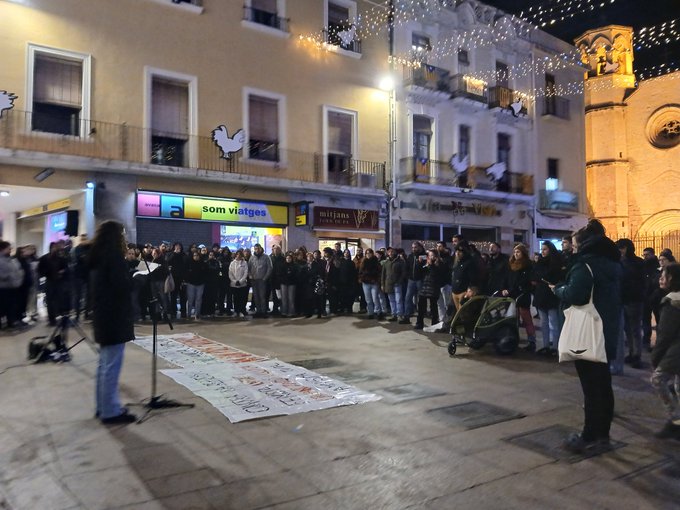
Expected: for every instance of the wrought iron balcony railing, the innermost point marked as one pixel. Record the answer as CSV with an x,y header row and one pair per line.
x,y
469,88
429,77
440,173
130,144
503,97
266,18
556,106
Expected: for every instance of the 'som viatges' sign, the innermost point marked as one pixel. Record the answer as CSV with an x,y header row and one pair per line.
x,y
161,205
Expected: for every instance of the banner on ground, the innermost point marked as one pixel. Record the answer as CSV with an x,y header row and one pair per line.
x,y
244,386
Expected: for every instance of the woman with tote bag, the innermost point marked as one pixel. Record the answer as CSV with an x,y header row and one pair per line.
x,y
596,272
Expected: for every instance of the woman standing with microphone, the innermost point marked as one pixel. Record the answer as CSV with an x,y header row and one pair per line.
x,y
112,319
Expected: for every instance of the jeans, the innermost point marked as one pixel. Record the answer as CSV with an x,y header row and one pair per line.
x,y
550,327
632,324
108,372
194,299
598,398
371,292
396,302
412,289
444,300
287,299
660,382
260,297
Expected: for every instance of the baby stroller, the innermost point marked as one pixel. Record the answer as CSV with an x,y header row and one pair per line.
x,y
485,319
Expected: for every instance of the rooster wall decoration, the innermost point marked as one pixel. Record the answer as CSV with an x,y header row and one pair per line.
x,y
347,36
459,165
516,107
226,144
6,101
496,171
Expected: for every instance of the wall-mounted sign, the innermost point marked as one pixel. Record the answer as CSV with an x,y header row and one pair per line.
x,y
162,205
301,214
457,208
54,206
346,219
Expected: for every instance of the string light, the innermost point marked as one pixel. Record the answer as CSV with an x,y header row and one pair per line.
x,y
657,35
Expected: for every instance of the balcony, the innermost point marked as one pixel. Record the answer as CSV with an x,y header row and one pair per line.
x,y
265,18
440,173
130,148
427,84
558,201
345,171
469,90
336,38
555,106
503,97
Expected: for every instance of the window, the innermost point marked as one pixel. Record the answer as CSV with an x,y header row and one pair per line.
x,y
59,92
422,135
503,154
420,43
552,183
463,141
463,58
340,130
169,121
502,75
263,128
340,27
265,12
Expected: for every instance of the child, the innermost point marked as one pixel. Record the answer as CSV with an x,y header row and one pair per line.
x,y
666,353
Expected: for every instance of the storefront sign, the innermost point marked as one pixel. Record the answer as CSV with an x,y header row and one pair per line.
x,y
457,208
346,219
54,206
301,214
161,205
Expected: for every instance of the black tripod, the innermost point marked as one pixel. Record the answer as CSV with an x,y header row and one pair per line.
x,y
58,339
156,402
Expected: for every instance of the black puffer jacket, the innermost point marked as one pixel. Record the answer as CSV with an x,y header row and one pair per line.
x,y
547,269
666,352
633,285
519,285
464,274
430,287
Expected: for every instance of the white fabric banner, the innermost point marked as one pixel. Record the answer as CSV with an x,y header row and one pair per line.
x,y
244,386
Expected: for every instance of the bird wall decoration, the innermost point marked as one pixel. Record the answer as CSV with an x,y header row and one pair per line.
x,y
6,101
496,170
226,144
459,165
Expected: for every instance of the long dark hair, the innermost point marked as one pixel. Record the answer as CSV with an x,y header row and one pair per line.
x,y
109,240
673,271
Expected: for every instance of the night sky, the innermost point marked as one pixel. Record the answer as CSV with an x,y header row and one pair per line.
x,y
635,13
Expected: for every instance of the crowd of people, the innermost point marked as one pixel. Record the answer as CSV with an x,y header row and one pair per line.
x,y
389,285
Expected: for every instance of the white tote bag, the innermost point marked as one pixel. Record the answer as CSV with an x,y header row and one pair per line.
x,y
582,335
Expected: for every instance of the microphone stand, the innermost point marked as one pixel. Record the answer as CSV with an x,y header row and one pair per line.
x,y
156,402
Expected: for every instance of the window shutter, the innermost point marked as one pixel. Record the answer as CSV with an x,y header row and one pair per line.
x,y
170,108
58,81
263,119
339,133
264,5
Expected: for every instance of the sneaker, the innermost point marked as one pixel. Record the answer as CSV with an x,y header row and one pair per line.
x,y
576,444
404,320
669,431
381,316
123,418
392,319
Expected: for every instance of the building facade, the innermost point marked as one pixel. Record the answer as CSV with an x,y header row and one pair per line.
x,y
490,140
199,121
632,142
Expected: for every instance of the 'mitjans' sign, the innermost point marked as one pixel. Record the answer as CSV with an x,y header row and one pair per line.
x,y
347,219
160,205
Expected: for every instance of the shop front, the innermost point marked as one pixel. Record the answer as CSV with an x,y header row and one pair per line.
x,y
428,219
204,220
352,228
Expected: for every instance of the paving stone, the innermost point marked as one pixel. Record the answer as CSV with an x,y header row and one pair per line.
x,y
472,415
113,487
356,376
548,441
406,392
184,482
38,490
317,363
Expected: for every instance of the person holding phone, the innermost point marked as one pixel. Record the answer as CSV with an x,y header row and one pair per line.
x,y
548,271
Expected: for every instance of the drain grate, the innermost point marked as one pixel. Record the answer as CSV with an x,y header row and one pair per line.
x,y
473,415
405,392
548,441
313,364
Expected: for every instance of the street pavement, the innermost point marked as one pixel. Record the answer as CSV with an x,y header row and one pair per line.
x,y
474,431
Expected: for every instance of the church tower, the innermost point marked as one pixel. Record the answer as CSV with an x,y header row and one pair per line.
x,y
607,54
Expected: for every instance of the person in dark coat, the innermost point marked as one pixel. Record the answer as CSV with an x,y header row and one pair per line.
x,y
177,263
633,293
415,262
666,353
393,277
464,273
370,272
53,266
602,257
314,277
519,286
196,275
548,271
348,277
288,278
112,319
429,290
497,270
